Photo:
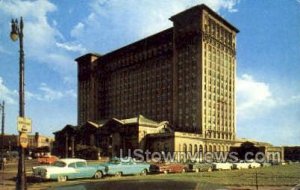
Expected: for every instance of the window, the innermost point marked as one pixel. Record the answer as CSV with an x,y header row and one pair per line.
x,y
184,148
59,164
80,164
72,165
195,149
190,148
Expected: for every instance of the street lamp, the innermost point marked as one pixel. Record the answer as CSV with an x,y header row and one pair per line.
x,y
15,34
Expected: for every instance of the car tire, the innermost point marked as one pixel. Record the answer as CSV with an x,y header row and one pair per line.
x,y
62,178
119,174
197,170
98,175
144,172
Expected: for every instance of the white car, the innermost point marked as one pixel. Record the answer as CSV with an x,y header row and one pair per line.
x,y
69,168
255,165
241,165
222,166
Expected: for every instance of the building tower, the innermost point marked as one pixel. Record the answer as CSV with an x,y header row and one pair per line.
x,y
185,75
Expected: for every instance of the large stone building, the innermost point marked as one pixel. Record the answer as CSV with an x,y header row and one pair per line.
x,y
184,75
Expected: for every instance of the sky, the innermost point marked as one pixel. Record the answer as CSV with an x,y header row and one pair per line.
x,y
58,31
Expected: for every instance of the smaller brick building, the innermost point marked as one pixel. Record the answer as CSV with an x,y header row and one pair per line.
x,y
108,136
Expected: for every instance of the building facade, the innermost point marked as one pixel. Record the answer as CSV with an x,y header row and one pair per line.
x,y
108,137
184,75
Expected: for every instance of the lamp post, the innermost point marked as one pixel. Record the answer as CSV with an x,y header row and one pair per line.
x,y
2,106
15,34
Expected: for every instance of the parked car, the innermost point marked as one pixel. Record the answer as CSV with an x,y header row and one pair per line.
x,y
126,166
69,168
241,165
47,159
222,166
265,164
201,167
255,165
172,168
275,162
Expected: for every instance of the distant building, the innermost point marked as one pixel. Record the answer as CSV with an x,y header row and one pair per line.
x,y
292,153
11,142
37,141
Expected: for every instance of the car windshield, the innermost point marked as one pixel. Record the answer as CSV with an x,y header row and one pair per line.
x,y
59,164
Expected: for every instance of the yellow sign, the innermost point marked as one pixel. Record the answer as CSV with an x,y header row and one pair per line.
x,y
23,140
24,125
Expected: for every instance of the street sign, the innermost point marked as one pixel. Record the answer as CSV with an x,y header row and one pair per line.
x,y
24,125
23,140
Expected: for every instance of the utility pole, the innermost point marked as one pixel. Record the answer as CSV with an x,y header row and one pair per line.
x,y
2,106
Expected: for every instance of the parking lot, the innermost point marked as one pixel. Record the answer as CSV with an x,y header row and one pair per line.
x,y
275,178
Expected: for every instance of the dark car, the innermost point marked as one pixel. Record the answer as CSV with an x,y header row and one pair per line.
x,y
171,168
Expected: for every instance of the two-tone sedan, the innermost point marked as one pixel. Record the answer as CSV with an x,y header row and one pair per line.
x,y
69,168
126,166
170,168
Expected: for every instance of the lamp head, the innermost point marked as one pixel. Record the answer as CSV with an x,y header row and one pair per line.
x,y
14,36
14,30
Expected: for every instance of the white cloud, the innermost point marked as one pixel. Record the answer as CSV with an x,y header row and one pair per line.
x,y
6,94
253,97
48,94
40,37
72,47
77,30
114,23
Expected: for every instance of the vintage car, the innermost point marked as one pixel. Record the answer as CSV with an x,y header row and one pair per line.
x,y
170,168
265,164
241,165
222,166
69,168
126,166
47,159
201,167
255,165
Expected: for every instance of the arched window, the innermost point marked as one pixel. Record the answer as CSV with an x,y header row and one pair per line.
x,y
206,149
200,148
210,148
195,149
215,148
184,148
190,148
